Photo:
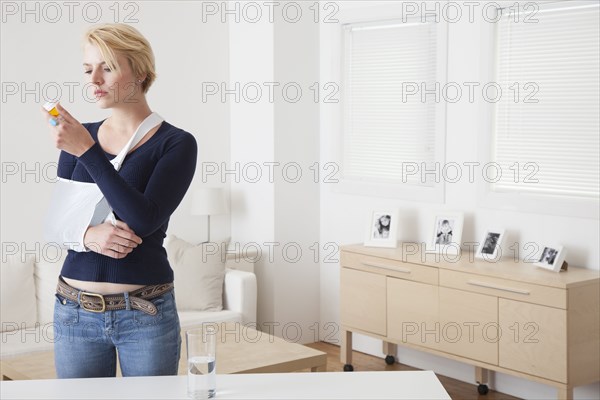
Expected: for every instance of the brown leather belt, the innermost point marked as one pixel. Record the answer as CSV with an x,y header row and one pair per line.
x,y
95,302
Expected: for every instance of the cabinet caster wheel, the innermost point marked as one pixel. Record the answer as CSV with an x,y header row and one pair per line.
x,y
482,389
390,360
348,368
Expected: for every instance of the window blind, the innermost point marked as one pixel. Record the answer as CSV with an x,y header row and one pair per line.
x,y
549,130
383,131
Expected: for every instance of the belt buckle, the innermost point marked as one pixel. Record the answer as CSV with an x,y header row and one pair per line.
x,y
94,295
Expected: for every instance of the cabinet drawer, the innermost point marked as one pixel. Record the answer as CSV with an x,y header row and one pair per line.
x,y
394,268
469,325
413,312
363,301
505,288
533,340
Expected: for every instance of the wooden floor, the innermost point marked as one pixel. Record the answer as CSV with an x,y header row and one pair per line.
x,y
457,390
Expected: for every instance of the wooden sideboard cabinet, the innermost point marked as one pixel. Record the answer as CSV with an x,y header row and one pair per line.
x,y
507,316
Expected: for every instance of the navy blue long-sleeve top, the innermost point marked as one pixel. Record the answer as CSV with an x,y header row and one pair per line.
x,y
144,193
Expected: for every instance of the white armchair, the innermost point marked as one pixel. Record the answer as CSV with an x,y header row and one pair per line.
x,y
239,294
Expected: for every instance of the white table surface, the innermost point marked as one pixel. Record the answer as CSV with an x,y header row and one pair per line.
x,y
310,385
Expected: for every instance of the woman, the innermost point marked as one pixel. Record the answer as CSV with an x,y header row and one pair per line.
x,y
117,298
382,227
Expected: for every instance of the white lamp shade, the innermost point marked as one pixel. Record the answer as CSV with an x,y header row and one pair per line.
x,y
209,201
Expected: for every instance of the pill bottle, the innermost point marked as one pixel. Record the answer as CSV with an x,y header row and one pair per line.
x,y
50,106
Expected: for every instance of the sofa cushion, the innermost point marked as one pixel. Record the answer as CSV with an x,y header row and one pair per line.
x,y
199,273
46,273
17,292
27,341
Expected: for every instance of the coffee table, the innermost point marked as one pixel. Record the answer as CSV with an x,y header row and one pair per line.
x,y
240,349
397,385
39,365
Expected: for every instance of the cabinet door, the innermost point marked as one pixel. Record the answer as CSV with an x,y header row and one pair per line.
x,y
413,312
469,325
534,339
362,301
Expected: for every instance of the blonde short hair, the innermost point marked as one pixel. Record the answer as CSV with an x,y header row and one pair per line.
x,y
124,39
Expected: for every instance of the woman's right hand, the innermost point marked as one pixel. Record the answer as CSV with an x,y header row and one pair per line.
x,y
112,241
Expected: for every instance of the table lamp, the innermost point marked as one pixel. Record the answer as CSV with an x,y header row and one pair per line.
x,y
209,201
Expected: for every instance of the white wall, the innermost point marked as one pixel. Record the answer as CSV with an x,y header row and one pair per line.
x,y
252,141
45,54
297,196
279,213
343,215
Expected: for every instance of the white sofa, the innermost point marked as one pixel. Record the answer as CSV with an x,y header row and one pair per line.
x,y
27,296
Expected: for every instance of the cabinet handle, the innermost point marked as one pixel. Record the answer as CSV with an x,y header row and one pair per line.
x,y
397,269
492,286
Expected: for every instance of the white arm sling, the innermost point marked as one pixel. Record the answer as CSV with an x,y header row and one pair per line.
x,y
75,206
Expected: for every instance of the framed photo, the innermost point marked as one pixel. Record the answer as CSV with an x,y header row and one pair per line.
x,y
490,246
446,233
551,258
382,228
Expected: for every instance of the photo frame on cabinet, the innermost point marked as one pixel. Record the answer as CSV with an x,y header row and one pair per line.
x,y
446,233
490,246
551,258
382,228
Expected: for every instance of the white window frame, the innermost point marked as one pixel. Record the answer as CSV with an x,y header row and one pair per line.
x,y
369,14
511,201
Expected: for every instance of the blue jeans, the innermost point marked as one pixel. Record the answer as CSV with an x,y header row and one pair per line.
x,y
86,344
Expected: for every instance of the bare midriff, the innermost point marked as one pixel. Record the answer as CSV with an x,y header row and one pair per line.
x,y
102,287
